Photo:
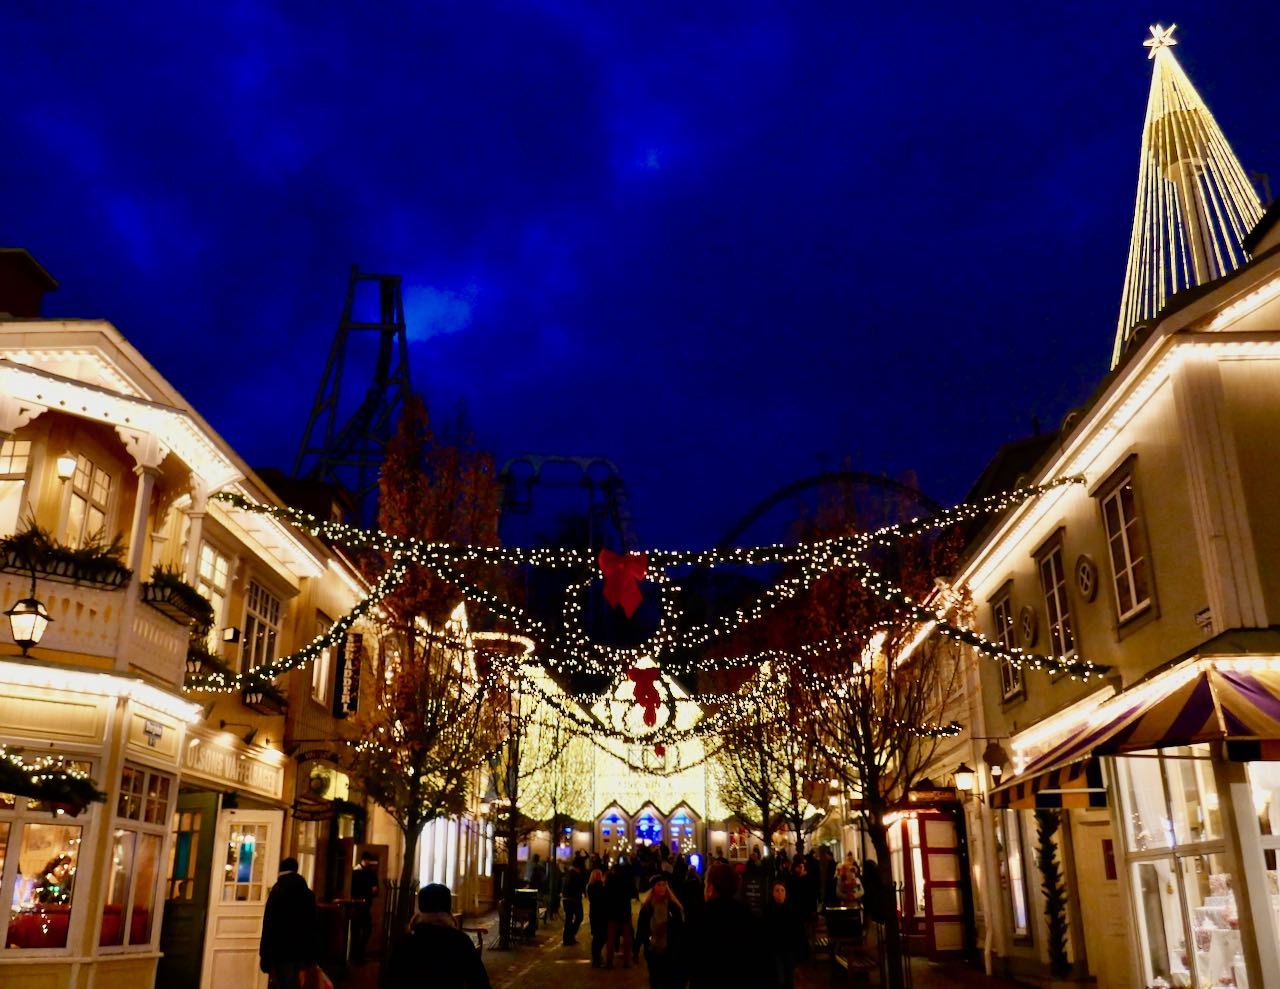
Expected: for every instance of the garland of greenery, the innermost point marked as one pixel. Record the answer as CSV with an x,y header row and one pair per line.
x,y
48,779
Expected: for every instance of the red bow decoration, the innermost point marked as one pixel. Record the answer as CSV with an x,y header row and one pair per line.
x,y
659,750
622,576
646,693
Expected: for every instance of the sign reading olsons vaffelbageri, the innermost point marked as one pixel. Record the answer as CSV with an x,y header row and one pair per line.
x,y
346,698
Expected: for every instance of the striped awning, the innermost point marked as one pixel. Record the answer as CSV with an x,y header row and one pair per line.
x,y
1076,785
1204,701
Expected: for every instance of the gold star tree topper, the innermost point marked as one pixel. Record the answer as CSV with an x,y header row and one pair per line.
x,y
1161,37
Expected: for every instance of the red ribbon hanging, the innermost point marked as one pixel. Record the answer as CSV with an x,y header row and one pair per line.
x,y
622,575
646,692
659,750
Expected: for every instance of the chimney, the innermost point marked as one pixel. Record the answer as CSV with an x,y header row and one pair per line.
x,y
23,284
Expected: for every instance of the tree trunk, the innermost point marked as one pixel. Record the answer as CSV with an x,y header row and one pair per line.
x,y
408,898
892,946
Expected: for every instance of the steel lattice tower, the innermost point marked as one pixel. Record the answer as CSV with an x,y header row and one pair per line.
x,y
350,453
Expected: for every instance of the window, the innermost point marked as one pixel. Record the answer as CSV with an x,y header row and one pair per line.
x,y
1127,549
90,494
1013,869
15,458
1182,878
1053,581
184,854
1002,619
244,876
261,626
322,665
38,859
142,811
213,581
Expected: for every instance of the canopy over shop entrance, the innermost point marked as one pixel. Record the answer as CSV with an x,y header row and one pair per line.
x,y
1234,700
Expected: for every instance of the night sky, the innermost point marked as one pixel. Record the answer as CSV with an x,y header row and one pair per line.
x,y
725,245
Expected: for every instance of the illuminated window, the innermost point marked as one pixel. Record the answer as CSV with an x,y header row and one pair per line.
x,y
1011,683
244,871
213,580
142,810
322,665
1013,869
1053,581
90,494
261,626
1126,547
15,458
184,853
38,859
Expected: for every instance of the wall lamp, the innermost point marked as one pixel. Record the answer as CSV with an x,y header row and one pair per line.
x,y
231,634
247,737
28,618
66,466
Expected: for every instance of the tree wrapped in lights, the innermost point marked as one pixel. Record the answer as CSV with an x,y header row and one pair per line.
x,y
765,768
432,727
868,696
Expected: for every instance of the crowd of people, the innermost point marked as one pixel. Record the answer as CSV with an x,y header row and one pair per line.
x,y
746,925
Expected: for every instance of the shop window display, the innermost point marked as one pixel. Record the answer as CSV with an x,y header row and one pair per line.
x,y
39,854
1184,890
1264,780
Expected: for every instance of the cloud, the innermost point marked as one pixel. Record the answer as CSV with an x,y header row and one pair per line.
x,y
431,311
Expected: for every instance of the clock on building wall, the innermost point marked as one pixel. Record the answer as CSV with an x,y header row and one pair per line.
x,y
1028,626
1086,577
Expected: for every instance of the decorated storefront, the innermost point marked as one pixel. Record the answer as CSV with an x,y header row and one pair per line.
x,y
90,763
1184,763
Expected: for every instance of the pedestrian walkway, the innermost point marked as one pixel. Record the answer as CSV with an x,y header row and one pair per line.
x,y
544,963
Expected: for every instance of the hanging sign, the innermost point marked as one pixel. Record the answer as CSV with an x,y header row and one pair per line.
x,y
347,697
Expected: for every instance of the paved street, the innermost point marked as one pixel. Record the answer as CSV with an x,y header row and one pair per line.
x,y
544,963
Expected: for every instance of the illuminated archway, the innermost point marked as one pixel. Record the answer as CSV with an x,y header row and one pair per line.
x,y
613,832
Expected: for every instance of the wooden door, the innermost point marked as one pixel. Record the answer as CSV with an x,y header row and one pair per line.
x,y
943,896
1102,905
246,860
186,905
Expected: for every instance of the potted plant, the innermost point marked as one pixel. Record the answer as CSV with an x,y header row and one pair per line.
x,y
170,594
34,550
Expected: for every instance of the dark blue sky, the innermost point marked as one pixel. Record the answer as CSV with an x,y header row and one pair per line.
x,y
722,244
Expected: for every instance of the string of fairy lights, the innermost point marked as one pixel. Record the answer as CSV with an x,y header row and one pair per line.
x,y
572,651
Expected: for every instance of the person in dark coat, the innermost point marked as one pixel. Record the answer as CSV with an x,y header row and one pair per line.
x,y
784,930
435,952
660,932
802,890
290,942
877,894
597,916
725,948
618,890
364,890
571,897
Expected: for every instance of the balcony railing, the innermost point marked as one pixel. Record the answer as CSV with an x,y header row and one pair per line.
x,y
89,619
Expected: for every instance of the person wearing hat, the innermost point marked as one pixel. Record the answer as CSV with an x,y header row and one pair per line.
x,y
435,949
660,931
